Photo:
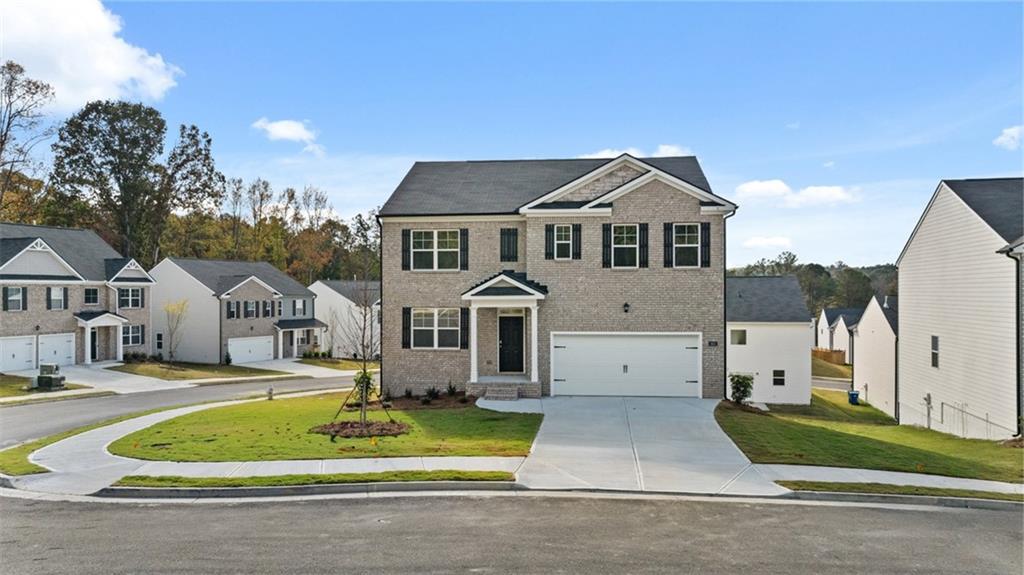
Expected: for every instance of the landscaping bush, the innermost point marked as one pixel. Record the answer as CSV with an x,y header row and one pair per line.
x,y
433,393
408,393
451,389
227,358
425,400
741,386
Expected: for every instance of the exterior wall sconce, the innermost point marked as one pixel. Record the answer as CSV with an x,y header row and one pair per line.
x,y
625,307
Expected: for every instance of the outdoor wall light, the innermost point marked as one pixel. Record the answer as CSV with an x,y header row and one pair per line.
x,y
625,307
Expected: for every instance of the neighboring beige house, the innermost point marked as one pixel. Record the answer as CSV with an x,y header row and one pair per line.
x,y
555,277
350,311
960,329
874,366
833,329
250,310
68,297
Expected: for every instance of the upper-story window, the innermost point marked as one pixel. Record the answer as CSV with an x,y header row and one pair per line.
x,y
250,309
92,296
563,242
299,307
14,298
435,249
268,308
686,245
625,246
57,300
129,298
935,351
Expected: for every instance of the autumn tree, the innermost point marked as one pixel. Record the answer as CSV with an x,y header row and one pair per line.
x,y
22,125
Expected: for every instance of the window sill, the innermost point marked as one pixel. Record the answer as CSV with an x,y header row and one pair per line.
x,y
625,269
436,349
435,271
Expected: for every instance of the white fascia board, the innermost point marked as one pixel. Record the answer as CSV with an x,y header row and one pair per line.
x,y
656,174
535,212
499,278
131,265
41,246
274,292
591,175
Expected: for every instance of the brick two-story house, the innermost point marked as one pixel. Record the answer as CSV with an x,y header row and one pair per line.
x,y
68,297
555,277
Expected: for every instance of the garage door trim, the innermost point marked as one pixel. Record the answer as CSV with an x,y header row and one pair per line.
x,y
700,350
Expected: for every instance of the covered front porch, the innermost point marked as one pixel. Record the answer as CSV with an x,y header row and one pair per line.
x,y
102,338
296,336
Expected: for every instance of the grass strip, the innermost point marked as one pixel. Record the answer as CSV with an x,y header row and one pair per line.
x,y
313,479
886,489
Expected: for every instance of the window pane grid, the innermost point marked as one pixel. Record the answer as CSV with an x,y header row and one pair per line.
x,y
435,249
436,328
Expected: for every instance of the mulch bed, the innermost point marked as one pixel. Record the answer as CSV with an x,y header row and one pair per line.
x,y
355,429
444,402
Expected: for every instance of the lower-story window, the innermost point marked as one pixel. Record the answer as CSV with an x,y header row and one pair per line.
x,y
303,336
778,377
435,328
159,341
131,335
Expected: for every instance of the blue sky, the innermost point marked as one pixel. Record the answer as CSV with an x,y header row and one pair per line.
x,y
829,124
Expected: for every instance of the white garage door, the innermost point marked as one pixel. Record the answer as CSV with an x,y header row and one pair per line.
x,y
57,348
17,353
249,349
626,364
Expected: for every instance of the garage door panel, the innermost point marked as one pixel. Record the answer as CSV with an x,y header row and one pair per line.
x,y
250,349
17,353
57,348
626,364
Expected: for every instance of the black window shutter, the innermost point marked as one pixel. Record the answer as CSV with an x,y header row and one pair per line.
x,y
606,245
406,326
406,249
464,328
49,298
142,297
65,298
669,241
24,298
644,245
464,249
549,241
5,297
295,307
705,244
509,244
142,335
577,240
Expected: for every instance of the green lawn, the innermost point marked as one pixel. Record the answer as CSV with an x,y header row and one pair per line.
x,y
822,368
12,386
309,479
278,430
193,370
833,433
897,490
342,364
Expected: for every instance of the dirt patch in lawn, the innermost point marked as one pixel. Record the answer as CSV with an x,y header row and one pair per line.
x,y
356,429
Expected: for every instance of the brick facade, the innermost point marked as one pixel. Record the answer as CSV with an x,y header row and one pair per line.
x,y
242,326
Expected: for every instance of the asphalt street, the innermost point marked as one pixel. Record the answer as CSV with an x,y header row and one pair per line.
x,y
502,535
25,422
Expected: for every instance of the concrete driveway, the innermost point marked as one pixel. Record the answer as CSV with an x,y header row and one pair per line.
x,y
101,379
631,443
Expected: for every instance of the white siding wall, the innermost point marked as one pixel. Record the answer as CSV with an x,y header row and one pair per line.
x,y
772,346
874,365
952,284
841,338
342,318
201,330
822,332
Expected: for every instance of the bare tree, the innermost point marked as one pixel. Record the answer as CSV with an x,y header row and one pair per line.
x,y
176,312
235,193
22,101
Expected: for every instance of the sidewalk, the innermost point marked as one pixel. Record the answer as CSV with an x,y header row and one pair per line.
x,y
778,472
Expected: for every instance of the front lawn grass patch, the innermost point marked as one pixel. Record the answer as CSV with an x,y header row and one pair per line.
x,y
13,386
342,364
178,371
831,433
822,368
898,490
279,430
311,479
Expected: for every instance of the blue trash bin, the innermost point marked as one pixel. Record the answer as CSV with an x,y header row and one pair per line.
x,y
854,397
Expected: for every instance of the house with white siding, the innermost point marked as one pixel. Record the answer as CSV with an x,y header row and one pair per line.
x,y
350,311
959,364
833,329
874,367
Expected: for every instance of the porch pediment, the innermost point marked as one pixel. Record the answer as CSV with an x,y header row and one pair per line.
x,y
506,285
90,319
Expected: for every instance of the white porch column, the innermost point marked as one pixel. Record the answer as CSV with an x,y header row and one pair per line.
x,y
88,345
474,373
280,344
533,343
120,342
295,345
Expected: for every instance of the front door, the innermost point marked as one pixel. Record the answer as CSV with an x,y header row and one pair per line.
x,y
510,344
94,344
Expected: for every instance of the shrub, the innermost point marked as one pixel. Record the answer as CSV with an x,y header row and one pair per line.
x,y
158,357
227,358
387,395
408,393
425,400
433,393
329,353
741,385
463,399
451,389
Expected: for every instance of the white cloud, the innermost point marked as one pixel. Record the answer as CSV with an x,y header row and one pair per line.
x,y
757,242
760,189
76,47
793,126
1009,139
290,131
757,190
829,164
663,150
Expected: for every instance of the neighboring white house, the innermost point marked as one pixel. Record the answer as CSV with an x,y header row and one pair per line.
x,y
350,310
833,327
874,366
959,363
770,335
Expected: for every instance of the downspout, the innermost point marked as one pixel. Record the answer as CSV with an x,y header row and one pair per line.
x,y
1020,385
896,378
725,323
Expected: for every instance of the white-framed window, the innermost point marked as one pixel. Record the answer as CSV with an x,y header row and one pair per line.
x,y
303,336
435,250
131,335
92,296
268,308
15,299
563,242
935,351
778,377
129,298
159,340
625,245
686,245
300,307
738,336
435,328
249,308
280,306
57,299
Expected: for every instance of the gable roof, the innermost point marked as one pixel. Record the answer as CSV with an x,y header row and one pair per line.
x,y
765,299
890,308
353,290
850,315
503,186
223,275
997,201
516,277
83,250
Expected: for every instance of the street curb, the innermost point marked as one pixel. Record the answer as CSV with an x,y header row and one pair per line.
x,y
293,490
5,481
44,399
931,500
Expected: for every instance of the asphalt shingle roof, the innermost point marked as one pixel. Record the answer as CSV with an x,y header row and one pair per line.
x,y
222,275
517,276
851,315
890,308
503,186
998,201
83,250
765,299
354,290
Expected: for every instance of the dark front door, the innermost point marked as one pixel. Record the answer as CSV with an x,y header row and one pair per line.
x,y
510,343
94,345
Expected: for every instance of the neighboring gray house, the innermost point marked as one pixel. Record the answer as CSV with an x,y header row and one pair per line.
x,y
555,277
68,297
250,310
350,311
834,329
959,314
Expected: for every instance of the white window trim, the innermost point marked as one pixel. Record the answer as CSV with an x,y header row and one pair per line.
x,y
20,299
85,300
435,329
745,334
933,357
782,377
676,245
635,246
159,340
300,307
245,309
567,242
131,291
134,335
57,295
434,251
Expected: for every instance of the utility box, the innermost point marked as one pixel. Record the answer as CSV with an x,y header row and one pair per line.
x,y
49,378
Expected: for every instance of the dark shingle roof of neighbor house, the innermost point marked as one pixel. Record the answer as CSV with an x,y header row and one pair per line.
x,y
503,186
765,299
299,323
222,275
851,315
997,201
83,250
890,308
354,290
